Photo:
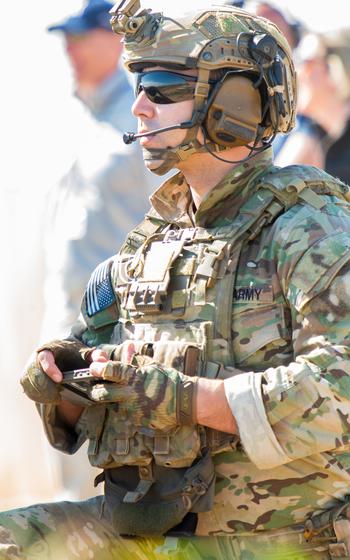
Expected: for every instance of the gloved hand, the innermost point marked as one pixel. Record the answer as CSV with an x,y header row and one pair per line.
x,y
153,396
38,386
68,354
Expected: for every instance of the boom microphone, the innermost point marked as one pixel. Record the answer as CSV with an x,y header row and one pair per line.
x,y
129,137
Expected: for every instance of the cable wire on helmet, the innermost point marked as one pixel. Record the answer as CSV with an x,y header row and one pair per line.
x,y
253,150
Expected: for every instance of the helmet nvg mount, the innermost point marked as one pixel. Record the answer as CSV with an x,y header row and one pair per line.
x,y
254,95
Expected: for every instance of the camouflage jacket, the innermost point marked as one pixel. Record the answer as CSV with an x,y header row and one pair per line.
x,y
289,340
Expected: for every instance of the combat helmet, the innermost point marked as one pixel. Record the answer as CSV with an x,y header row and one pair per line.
x,y
253,96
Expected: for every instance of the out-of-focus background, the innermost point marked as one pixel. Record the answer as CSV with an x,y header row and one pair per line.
x,y
38,145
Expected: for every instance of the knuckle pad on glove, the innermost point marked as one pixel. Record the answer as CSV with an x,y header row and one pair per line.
x,y
38,386
117,372
102,392
69,354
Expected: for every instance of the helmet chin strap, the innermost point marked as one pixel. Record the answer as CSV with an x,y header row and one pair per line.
x,y
169,157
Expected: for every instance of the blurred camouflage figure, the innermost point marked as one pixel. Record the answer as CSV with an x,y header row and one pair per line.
x,y
338,48
322,112
322,133
218,338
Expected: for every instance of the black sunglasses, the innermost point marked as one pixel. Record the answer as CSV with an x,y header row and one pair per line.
x,y
164,87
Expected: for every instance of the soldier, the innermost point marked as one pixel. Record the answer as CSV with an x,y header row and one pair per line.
x,y
217,339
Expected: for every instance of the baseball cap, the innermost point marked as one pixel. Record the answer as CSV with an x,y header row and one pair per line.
x,y
94,14
235,3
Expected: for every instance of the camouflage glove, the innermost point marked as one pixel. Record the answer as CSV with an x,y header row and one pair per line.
x,y
38,386
68,355
151,395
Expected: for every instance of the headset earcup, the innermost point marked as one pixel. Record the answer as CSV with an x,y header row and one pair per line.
x,y
235,113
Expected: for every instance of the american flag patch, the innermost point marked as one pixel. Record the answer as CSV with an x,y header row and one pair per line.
x,y
99,291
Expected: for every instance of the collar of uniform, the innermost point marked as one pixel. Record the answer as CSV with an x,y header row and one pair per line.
x,y
173,198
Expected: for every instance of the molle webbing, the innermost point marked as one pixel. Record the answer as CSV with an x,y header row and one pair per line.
x,y
149,226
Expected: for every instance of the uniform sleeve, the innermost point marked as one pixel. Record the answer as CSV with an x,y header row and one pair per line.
x,y
92,330
290,412
63,438
67,440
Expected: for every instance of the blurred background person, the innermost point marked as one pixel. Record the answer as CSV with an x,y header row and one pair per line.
x,y
323,107
94,54
322,133
338,55
99,199
291,28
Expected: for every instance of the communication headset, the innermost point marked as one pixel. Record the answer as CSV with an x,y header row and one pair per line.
x,y
243,105
235,113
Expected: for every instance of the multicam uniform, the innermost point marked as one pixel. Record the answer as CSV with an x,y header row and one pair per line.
x,y
282,347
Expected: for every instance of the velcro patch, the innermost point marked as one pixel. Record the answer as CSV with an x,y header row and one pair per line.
x,y
99,291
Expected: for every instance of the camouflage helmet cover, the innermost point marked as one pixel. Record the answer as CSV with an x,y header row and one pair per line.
x,y
204,39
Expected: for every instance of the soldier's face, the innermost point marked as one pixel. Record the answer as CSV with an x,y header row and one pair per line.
x,y
158,108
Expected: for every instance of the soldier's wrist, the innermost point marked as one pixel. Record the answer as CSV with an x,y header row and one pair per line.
x,y
213,408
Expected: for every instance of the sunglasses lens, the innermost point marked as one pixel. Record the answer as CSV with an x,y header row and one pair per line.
x,y
166,87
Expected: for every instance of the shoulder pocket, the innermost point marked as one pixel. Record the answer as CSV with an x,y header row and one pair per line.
x,y
317,268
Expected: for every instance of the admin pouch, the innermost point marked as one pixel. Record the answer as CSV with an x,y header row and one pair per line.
x,y
170,495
